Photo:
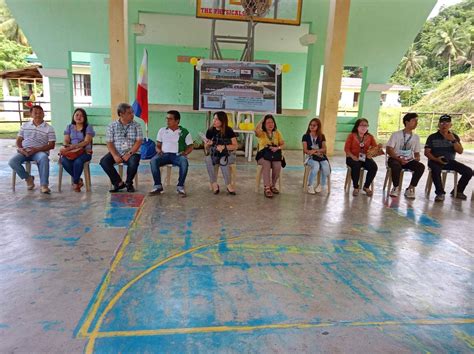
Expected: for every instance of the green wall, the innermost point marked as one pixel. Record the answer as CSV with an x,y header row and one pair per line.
x,y
379,34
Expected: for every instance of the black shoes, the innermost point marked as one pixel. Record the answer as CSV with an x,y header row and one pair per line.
x,y
129,186
459,195
118,188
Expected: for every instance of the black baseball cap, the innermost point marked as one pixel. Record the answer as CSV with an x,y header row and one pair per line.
x,y
445,118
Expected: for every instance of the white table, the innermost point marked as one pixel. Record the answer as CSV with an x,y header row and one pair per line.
x,y
249,134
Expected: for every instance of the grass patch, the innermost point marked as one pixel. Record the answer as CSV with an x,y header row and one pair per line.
x,y
9,130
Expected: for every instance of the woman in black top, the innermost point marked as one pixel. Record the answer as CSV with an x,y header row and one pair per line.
x,y
220,143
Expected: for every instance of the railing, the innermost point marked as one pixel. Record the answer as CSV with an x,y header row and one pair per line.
x,y
22,110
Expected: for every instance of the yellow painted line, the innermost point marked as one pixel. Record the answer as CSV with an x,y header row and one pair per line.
x,y
466,338
101,293
220,329
113,301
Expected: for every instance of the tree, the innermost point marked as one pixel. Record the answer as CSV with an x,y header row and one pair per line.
x,y
412,62
450,43
8,26
12,54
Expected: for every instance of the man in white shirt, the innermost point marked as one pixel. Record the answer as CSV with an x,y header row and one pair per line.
x,y
34,141
403,149
173,145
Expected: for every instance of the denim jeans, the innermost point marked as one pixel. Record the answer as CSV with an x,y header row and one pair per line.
x,y
315,165
107,163
166,159
76,166
41,158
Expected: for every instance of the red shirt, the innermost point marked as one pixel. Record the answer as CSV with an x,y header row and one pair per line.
x,y
352,145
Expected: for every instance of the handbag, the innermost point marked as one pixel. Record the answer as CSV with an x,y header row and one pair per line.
x,y
72,154
270,155
219,158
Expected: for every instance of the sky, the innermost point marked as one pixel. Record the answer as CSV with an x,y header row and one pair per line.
x,y
442,3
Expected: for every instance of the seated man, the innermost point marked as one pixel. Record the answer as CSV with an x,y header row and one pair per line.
x,y
124,138
34,141
440,149
403,149
173,145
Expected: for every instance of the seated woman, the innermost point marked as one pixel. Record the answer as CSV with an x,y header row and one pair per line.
x,y
220,142
314,146
270,144
77,148
359,148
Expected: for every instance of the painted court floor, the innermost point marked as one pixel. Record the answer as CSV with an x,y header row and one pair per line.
x,y
101,273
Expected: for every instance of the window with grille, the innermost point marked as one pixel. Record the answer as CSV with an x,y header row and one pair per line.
x,y
82,84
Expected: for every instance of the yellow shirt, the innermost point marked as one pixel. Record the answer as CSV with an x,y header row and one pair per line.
x,y
264,140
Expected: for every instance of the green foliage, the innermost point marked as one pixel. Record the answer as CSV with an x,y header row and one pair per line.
x,y
12,54
455,95
442,48
8,26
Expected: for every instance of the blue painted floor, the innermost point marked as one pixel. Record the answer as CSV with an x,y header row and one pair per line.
x,y
92,272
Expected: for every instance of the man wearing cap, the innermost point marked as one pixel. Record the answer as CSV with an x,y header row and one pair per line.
x,y
403,149
440,149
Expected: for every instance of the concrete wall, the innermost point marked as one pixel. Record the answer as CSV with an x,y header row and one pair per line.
x,y
379,34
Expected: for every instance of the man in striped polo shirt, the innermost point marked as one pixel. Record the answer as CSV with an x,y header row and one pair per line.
x,y
34,141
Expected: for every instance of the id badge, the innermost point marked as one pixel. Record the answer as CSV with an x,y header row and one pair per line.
x,y
124,146
362,157
406,154
315,146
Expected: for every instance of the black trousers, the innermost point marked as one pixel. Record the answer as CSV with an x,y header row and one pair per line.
x,y
107,162
463,170
355,166
416,166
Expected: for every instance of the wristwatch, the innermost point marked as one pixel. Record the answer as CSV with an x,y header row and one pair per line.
x,y
454,141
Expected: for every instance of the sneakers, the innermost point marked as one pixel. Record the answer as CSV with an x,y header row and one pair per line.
x,y
130,187
311,190
410,193
156,191
394,192
459,195
319,189
45,190
180,190
30,183
439,197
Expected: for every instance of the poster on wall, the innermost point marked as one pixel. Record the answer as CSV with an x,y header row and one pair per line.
x,y
237,86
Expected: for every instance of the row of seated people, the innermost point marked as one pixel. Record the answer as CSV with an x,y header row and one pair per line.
x,y
174,143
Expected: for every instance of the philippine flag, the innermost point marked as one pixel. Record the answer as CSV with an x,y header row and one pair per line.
x,y
140,106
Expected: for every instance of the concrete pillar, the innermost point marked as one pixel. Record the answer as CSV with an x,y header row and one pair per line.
x,y
313,74
369,109
118,49
338,22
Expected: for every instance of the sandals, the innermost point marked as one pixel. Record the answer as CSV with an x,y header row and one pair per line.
x,y
368,191
275,190
267,191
